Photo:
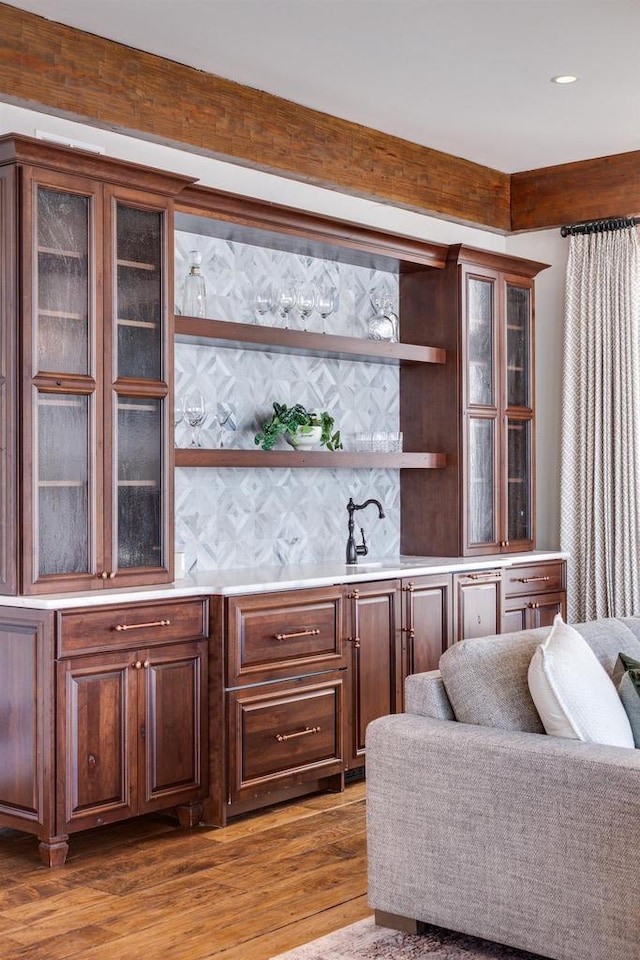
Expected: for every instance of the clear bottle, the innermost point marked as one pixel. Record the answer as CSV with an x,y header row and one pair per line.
x,y
194,298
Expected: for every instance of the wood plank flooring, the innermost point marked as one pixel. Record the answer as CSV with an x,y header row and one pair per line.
x,y
146,890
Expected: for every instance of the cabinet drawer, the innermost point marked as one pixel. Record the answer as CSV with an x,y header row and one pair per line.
x,y
133,625
284,733
279,635
534,578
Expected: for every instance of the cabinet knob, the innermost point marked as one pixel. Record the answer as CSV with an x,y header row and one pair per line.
x,y
103,575
533,606
355,641
409,587
137,665
112,574
146,664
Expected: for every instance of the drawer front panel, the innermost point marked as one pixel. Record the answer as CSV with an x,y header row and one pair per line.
x,y
277,735
535,578
282,635
133,625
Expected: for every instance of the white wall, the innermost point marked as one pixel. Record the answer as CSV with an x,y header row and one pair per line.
x,y
546,246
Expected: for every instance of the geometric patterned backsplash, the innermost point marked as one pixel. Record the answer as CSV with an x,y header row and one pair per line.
x,y
234,272
235,517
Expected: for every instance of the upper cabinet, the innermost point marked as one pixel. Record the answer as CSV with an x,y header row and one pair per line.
x,y
90,321
482,411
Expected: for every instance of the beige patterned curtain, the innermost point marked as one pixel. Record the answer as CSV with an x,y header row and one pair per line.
x,y
600,457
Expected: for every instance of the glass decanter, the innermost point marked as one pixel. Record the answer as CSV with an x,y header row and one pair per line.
x,y
384,325
194,298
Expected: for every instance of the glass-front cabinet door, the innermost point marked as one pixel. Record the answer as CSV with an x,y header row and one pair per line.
x,y
518,420
498,399
95,434
481,390
138,378
62,388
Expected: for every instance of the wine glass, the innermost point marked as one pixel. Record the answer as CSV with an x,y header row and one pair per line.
x,y
325,305
225,418
262,302
286,301
306,301
195,413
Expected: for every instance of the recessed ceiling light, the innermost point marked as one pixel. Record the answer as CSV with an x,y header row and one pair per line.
x,y
564,79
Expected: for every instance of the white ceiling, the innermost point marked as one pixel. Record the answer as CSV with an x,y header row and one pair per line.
x,y
470,77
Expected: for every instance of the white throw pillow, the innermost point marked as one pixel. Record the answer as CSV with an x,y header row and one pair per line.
x,y
573,693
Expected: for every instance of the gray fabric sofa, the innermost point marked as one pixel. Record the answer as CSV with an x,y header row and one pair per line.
x,y
494,829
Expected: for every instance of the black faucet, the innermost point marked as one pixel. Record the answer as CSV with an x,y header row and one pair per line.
x,y
355,550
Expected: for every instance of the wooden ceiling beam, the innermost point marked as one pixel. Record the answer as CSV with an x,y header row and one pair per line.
x,y
58,69
573,192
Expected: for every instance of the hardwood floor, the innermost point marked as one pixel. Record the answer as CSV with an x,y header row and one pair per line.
x,y
147,890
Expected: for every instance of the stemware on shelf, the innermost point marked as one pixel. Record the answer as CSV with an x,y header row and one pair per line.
x,y
263,302
225,418
194,298
286,302
325,305
195,414
305,301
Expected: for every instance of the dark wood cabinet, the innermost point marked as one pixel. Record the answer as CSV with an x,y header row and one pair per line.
x,y
282,678
534,594
108,716
427,622
88,338
478,409
375,671
130,733
477,604
284,735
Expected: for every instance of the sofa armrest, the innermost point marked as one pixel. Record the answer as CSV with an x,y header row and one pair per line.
x,y
425,696
515,837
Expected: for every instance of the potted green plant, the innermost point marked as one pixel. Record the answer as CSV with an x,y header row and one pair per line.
x,y
300,427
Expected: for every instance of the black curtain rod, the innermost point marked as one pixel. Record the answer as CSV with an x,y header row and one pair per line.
x,y
599,226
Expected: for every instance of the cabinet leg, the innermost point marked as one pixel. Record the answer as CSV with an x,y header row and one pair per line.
x,y
189,815
53,852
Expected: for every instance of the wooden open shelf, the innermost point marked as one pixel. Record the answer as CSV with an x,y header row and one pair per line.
x,y
203,457
256,337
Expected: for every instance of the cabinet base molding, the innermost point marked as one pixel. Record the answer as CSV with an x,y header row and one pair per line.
x,y
53,852
189,815
332,784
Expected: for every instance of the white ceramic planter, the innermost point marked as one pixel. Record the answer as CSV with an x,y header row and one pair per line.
x,y
305,438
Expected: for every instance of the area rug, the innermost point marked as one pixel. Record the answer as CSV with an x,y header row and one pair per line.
x,y
365,941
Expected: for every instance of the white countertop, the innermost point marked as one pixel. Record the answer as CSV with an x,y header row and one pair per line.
x,y
286,577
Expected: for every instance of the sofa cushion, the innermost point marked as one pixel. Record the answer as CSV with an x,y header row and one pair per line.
x,y
573,693
486,680
610,636
626,677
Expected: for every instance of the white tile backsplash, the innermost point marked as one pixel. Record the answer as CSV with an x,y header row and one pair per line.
x,y
233,517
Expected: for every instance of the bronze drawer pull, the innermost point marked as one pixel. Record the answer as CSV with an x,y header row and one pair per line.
x,y
281,737
301,633
141,626
482,576
533,579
